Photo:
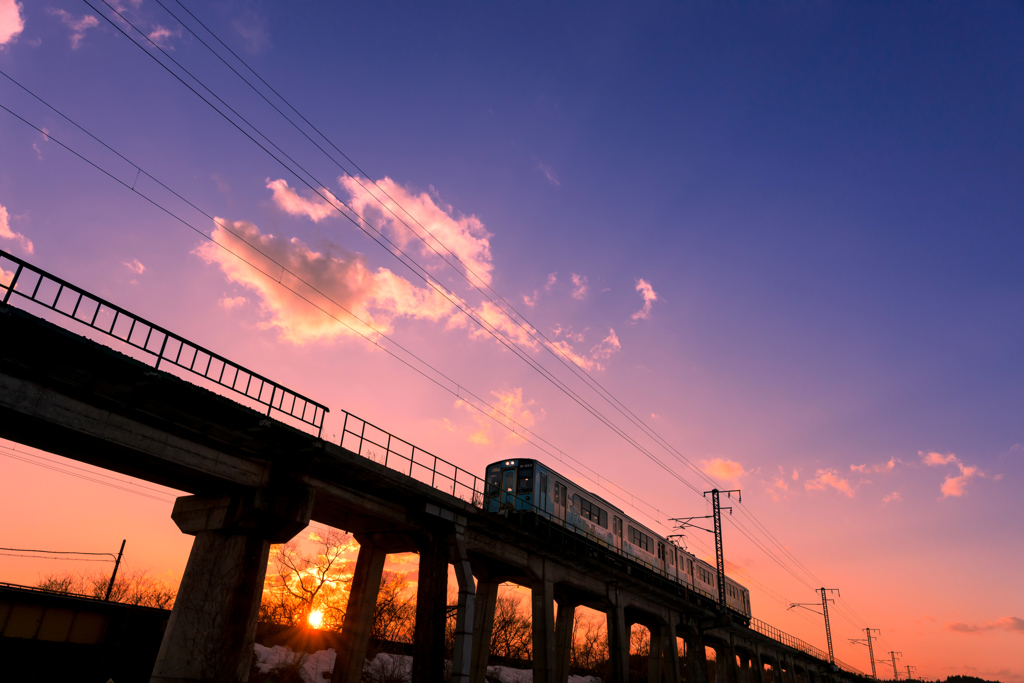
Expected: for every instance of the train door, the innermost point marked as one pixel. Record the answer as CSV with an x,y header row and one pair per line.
x,y
542,493
508,488
561,493
617,531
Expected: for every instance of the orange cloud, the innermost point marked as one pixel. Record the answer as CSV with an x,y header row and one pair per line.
x,y
829,478
8,234
886,467
649,296
411,217
954,486
895,495
374,297
135,265
1012,624
232,302
729,470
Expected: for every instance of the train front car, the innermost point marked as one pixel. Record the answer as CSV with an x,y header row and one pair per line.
x,y
512,484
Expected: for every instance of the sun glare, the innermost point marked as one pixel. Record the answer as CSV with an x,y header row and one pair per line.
x,y
316,619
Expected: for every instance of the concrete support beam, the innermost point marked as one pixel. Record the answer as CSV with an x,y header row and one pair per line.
x,y
725,664
618,644
670,650
543,602
362,602
655,662
564,622
483,624
431,606
212,628
464,616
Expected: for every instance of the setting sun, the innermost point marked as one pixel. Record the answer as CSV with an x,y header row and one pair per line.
x,y
316,619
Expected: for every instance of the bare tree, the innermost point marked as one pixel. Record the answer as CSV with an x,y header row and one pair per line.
x,y
299,584
511,635
589,642
395,614
132,586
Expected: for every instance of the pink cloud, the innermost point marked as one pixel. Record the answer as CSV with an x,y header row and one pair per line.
x,y
11,21
417,217
78,25
1012,624
579,286
936,458
530,301
829,478
607,347
508,408
8,234
954,486
649,296
552,279
548,172
162,35
894,496
135,266
886,467
313,207
778,488
729,470
796,474
376,298
232,302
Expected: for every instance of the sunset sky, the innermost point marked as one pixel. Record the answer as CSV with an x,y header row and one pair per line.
x,y
788,238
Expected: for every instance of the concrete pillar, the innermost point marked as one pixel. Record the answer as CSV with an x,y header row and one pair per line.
x,y
212,628
745,671
464,619
655,661
670,651
362,603
725,664
564,623
696,660
483,624
543,603
618,644
431,607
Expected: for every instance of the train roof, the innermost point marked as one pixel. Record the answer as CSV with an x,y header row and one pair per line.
x,y
568,479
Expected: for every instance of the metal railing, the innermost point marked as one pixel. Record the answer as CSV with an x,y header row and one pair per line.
x,y
384,448
62,297
797,644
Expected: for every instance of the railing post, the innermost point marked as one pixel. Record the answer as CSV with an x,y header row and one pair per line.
x,y
14,282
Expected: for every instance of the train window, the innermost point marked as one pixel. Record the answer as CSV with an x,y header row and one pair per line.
x,y
641,540
672,557
509,480
493,478
691,567
617,526
661,551
590,511
525,481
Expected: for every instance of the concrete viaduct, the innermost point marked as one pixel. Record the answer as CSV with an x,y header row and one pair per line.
x,y
255,481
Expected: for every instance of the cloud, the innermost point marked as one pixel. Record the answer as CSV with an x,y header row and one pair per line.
x,y
313,207
375,297
829,478
135,266
729,470
607,347
954,486
548,173
936,458
78,25
232,302
1012,624
508,409
552,279
161,35
530,301
796,474
894,496
416,217
11,21
8,234
579,286
885,467
779,487
649,296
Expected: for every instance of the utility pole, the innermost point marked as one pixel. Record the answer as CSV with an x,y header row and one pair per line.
x,y
824,611
117,563
687,522
895,671
910,676
871,650
719,553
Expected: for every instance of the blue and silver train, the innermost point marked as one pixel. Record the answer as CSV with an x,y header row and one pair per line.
x,y
530,485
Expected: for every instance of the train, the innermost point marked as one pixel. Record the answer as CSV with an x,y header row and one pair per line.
x,y
528,485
